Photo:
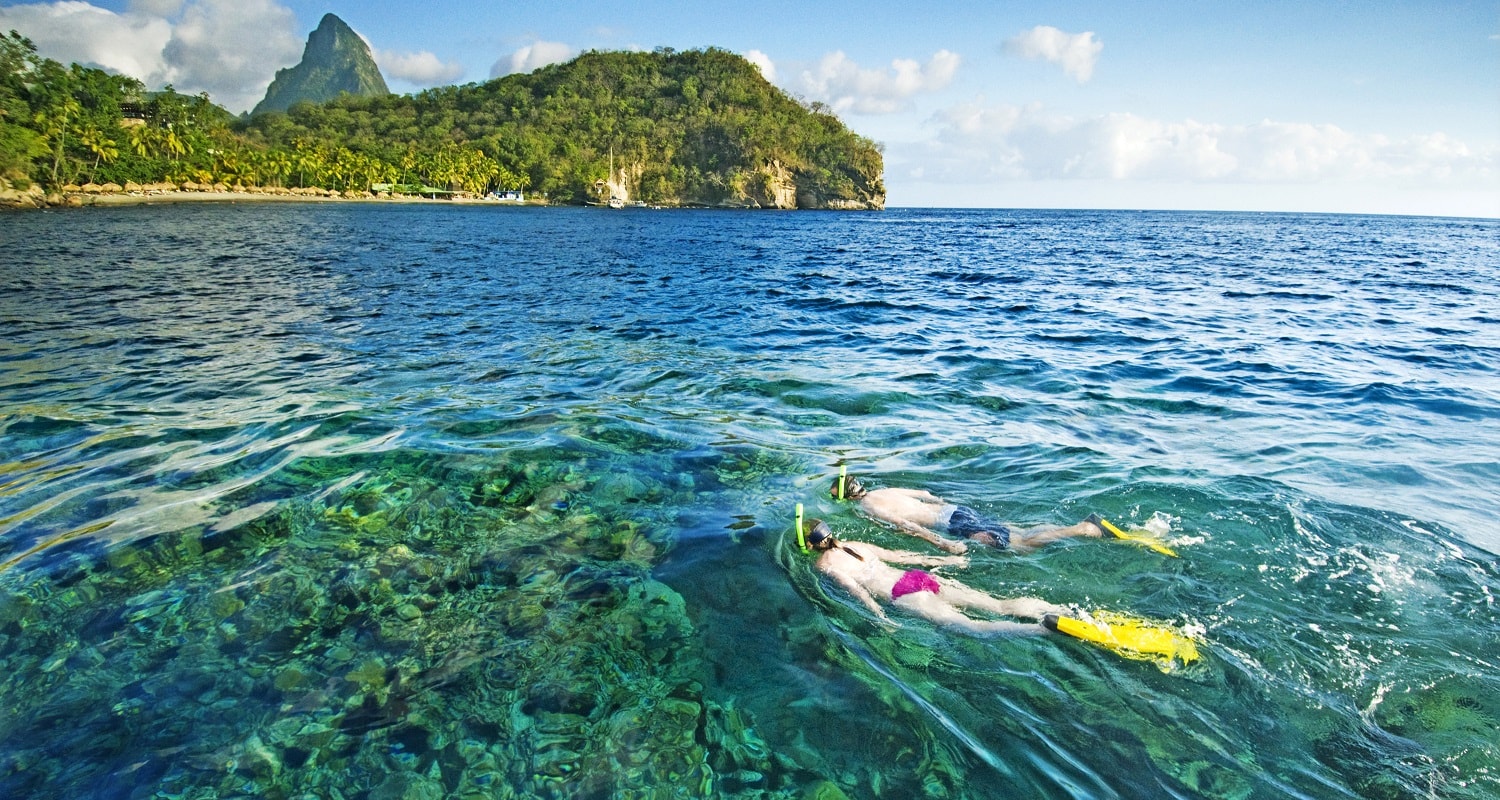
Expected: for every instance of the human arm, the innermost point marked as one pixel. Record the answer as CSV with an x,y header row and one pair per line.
x,y
860,593
915,559
948,545
911,515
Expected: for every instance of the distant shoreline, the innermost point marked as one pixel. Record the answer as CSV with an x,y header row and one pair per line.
x,y
35,198
34,202
168,198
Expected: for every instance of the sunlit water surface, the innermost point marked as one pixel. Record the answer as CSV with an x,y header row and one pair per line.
x,y
416,501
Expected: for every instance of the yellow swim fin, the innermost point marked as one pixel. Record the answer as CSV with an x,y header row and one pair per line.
x,y
1139,538
1130,637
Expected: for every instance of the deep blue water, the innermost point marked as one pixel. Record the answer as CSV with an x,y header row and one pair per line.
x,y
422,501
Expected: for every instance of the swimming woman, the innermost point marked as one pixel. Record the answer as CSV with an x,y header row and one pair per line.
x,y
918,512
865,570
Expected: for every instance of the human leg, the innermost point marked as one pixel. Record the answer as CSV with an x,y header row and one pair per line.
x,y
961,596
1031,540
935,609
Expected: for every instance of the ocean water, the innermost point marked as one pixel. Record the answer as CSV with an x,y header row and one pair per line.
x,y
415,501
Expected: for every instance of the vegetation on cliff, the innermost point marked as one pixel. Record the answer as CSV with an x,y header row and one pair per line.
x,y
679,127
335,62
691,127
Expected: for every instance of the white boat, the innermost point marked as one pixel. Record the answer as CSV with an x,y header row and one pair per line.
x,y
615,202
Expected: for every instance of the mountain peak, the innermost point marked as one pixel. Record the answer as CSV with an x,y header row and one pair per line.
x,y
335,61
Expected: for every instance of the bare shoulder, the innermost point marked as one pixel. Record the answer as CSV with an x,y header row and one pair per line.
x,y
920,494
869,550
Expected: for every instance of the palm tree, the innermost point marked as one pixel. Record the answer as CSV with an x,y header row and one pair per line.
x,y
55,123
141,137
103,148
276,166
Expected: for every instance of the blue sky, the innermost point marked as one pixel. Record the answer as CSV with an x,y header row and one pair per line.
x,y
1320,105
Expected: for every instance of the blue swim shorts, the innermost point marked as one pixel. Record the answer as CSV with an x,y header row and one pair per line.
x,y
966,524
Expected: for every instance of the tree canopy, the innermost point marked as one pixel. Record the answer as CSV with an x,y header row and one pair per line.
x,y
689,127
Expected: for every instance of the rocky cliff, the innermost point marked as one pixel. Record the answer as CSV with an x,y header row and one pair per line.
x,y
335,62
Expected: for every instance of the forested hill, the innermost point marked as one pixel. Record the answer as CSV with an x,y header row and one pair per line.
x,y
335,61
699,127
679,128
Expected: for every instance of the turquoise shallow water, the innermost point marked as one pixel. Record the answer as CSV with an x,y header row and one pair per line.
x,y
421,501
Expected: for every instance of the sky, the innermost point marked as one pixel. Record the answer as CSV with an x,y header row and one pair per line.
x,y
1259,105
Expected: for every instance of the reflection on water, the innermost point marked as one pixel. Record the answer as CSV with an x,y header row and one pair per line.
x,y
415,502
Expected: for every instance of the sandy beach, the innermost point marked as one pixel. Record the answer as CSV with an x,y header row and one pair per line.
x,y
18,199
166,198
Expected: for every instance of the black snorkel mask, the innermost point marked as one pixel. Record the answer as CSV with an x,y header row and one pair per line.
x,y
808,538
814,538
818,534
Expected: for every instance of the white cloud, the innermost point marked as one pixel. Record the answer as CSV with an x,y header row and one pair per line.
x,y
418,69
78,32
534,56
228,48
1076,53
764,63
847,87
232,48
976,142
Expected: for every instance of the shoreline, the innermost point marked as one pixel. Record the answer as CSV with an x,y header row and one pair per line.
x,y
35,199
79,200
255,197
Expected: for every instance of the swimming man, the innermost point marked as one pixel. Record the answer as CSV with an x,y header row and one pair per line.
x,y
918,512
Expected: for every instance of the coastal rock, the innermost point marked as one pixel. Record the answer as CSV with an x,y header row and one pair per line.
x,y
31,197
773,186
335,61
874,202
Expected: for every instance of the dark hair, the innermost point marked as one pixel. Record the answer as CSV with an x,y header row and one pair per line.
x,y
853,489
820,537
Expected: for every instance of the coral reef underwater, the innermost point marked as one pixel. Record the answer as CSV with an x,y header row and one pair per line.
x,y
404,626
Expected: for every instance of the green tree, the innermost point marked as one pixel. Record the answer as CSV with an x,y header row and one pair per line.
x,y
697,126
20,143
103,148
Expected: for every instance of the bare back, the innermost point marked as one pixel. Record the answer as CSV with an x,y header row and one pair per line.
x,y
872,574
915,511
916,506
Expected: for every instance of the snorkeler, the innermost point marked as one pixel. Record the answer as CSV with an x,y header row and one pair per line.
x,y
918,511
862,569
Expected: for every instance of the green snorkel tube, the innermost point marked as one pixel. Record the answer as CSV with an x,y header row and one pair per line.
x,y
843,475
801,537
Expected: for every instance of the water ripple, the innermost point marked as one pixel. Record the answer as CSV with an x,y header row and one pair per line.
x,y
245,452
